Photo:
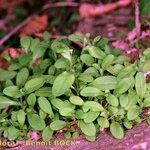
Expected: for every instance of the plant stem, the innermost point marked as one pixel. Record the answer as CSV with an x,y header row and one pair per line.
x,y
137,17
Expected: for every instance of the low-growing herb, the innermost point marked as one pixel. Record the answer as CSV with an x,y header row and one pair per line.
x,y
53,87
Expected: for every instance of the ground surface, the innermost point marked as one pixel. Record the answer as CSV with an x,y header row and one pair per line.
x,y
113,25
137,138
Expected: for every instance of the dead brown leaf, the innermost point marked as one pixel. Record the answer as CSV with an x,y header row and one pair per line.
x,y
90,10
3,63
11,4
36,25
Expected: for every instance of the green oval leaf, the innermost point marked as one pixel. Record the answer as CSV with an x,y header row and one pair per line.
x,y
105,83
91,116
21,116
121,59
91,71
58,103
6,102
91,91
59,47
12,91
90,138
62,83
123,85
107,61
51,70
57,125
116,130
14,66
114,70
44,92
112,100
87,128
113,110
124,100
92,105
61,63
42,114
127,124
49,79
45,106
85,77
146,102
126,72
40,49
87,59
24,59
103,122
95,52
147,52
44,64
67,135
34,84
67,111
75,38
31,99
133,113
36,122
76,100
132,99
8,83
25,42
144,66
6,75
140,84
47,134
79,114
13,133
22,77
75,135
34,43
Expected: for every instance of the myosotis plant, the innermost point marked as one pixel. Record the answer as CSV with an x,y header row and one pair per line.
x,y
54,86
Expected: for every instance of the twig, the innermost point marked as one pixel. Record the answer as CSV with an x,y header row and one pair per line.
x,y
137,17
60,4
88,10
50,5
15,30
136,32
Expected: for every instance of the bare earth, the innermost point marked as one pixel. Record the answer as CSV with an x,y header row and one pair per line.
x,y
137,138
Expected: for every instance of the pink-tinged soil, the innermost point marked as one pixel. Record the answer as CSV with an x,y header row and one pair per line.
x,y
137,138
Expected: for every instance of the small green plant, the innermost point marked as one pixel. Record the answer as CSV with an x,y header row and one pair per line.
x,y
53,86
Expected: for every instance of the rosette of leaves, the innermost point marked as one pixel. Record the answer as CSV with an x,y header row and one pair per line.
x,y
54,86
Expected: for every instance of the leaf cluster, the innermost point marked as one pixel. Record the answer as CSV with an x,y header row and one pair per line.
x,y
54,86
